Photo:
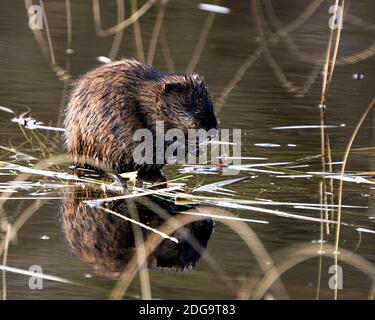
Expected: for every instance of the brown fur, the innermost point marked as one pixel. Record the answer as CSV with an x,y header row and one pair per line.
x,y
110,102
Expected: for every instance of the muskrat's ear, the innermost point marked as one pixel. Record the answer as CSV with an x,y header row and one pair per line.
x,y
176,87
197,79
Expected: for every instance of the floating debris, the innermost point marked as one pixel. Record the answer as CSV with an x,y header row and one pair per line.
x,y
299,166
33,124
198,169
323,207
241,158
34,274
318,241
303,127
218,185
5,109
133,195
269,164
19,156
217,142
267,145
260,201
365,230
53,174
274,212
22,157
348,178
306,176
239,168
217,216
213,8
103,60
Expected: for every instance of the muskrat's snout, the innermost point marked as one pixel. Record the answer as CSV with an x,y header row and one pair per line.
x,y
210,122
214,122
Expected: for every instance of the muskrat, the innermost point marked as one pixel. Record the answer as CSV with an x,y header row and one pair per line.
x,y
109,103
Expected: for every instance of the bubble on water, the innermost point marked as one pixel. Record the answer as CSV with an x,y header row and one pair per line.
x,y
292,145
69,51
44,237
88,275
343,125
322,106
358,76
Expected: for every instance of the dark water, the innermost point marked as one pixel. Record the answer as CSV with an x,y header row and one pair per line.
x,y
257,103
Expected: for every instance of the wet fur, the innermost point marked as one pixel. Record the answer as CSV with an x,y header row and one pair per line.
x,y
109,103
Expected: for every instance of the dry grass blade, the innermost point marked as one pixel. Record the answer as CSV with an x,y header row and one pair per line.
x,y
170,226
34,274
294,256
341,181
5,257
163,235
123,24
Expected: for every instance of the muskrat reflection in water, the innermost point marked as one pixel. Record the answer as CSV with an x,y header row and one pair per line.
x,y
106,242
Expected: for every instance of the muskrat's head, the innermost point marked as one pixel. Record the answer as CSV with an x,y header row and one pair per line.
x,y
187,104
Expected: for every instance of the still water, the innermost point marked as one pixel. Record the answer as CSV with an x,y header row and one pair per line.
x,y
267,85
